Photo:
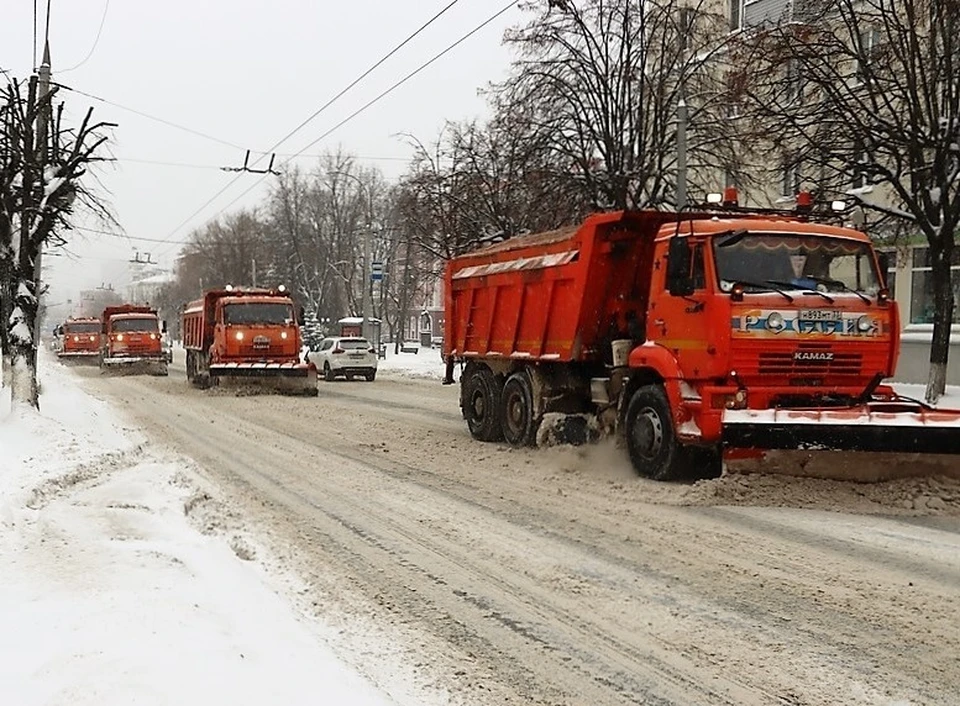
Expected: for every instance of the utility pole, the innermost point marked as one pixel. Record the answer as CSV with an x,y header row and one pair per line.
x,y
43,120
368,275
681,155
367,279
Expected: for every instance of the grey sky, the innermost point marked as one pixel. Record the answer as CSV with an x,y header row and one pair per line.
x,y
247,72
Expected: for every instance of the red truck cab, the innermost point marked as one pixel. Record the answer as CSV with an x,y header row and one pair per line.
x,y
132,338
79,339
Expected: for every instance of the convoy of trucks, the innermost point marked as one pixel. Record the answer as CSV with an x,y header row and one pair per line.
x,y
695,338
689,336
247,336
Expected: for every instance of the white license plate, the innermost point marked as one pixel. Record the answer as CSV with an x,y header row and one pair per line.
x,y
820,315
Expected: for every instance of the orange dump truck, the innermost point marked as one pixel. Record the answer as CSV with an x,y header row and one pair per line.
x,y
79,340
247,336
131,340
755,337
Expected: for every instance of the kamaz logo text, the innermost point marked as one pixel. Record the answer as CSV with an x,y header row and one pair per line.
x,y
813,355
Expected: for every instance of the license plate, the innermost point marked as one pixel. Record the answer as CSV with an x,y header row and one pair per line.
x,y
356,355
820,315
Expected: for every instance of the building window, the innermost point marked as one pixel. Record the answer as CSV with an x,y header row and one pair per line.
x,y
793,84
790,180
891,273
867,53
736,15
922,304
688,16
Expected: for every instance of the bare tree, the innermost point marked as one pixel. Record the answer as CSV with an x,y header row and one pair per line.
x,y
42,163
866,94
601,81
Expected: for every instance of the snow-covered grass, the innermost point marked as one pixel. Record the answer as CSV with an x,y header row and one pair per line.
x,y
108,593
425,363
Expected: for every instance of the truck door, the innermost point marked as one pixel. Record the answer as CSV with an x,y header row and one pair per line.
x,y
681,318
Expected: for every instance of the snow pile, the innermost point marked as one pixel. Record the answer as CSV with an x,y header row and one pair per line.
x,y
425,364
110,595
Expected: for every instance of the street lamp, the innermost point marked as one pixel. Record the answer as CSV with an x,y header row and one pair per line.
x,y
367,303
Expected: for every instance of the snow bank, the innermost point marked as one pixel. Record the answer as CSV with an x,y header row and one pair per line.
x,y
425,364
109,595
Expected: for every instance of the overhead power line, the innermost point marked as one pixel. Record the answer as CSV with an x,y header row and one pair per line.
x,y
356,113
96,41
317,112
168,123
124,236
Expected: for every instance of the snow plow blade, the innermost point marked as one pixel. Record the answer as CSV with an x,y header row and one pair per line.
x,y
286,378
134,366
79,358
872,442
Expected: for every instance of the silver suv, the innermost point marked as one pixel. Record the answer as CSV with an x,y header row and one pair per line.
x,y
348,357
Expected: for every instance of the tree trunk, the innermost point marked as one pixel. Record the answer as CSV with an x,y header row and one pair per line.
x,y
942,323
23,369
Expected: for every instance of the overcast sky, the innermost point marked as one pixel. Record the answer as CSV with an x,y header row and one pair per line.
x,y
247,73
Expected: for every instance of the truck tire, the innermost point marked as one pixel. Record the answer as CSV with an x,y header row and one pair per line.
x,y
650,436
517,419
480,402
191,367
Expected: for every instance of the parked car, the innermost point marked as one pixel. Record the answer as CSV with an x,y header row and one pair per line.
x,y
347,357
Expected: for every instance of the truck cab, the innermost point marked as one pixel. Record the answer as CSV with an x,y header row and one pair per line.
x,y
132,337
79,339
262,328
753,315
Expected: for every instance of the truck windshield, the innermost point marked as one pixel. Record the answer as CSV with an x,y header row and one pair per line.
x,y
148,325
772,261
258,313
82,328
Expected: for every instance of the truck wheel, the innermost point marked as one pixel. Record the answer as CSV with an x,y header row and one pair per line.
x,y
191,367
651,441
480,402
516,411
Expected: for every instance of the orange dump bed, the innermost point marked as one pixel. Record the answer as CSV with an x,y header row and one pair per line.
x,y
562,295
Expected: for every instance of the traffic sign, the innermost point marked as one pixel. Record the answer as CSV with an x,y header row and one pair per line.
x,y
376,271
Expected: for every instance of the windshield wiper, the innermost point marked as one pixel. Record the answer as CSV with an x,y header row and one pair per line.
x,y
735,237
765,287
843,285
805,290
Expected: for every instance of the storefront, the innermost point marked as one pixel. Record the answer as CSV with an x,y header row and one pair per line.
x,y
911,283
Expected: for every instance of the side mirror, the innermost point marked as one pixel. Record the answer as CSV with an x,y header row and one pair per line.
x,y
679,258
163,327
301,317
883,260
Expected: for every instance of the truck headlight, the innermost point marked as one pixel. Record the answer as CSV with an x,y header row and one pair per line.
x,y
76,338
864,324
283,335
119,336
239,335
775,321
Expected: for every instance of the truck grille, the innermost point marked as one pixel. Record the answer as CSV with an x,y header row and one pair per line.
x,y
785,363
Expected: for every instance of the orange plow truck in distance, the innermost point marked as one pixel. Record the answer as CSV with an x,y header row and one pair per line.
x,y
756,339
246,337
131,340
80,340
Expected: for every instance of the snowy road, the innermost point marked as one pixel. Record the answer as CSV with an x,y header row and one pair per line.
x,y
555,576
